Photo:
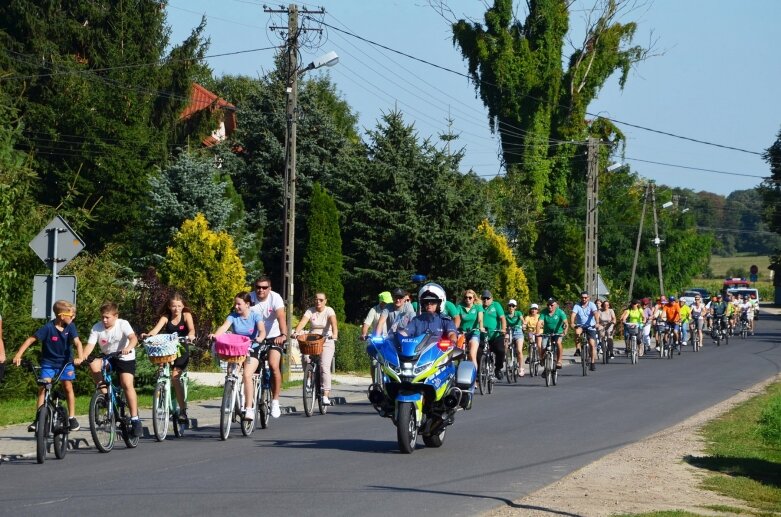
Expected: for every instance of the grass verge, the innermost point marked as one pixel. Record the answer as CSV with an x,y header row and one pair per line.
x,y
744,452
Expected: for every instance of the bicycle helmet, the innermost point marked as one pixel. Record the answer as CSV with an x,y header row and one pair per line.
x,y
432,291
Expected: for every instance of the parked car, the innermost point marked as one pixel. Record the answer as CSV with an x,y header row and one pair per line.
x,y
688,296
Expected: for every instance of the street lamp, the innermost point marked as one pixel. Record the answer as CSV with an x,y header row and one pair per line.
x,y
328,59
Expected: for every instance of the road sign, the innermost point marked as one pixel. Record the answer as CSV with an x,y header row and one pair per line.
x,y
42,294
57,244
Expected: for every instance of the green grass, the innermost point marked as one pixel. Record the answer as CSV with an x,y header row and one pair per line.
x,y
746,467
19,411
720,265
667,513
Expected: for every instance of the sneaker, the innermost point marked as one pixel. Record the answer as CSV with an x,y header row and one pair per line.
x,y
527,360
593,367
275,411
657,349
138,429
612,355
326,401
183,419
521,373
32,427
498,375
73,424
249,414
577,353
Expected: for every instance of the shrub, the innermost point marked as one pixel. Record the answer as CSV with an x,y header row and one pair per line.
x,y
770,422
351,353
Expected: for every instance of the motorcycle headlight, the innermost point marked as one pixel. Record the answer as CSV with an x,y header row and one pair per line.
x,y
406,369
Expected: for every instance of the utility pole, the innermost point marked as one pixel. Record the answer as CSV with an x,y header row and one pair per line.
x,y
592,218
637,246
291,90
657,241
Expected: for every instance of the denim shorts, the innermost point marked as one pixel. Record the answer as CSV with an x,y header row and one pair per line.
x,y
50,371
517,334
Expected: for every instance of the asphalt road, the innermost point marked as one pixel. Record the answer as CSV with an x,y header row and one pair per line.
x,y
520,438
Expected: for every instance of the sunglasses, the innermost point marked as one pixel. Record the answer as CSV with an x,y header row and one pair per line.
x,y
429,302
513,306
264,287
469,297
551,304
486,297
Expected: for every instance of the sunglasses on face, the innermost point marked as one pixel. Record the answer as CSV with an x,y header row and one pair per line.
x,y
468,297
484,298
264,287
429,302
513,306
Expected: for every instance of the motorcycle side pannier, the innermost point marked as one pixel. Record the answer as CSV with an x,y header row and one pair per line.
x,y
465,375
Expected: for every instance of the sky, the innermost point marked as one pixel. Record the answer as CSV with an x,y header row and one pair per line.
x,y
714,78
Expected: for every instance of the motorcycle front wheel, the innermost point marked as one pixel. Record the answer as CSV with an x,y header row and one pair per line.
x,y
407,427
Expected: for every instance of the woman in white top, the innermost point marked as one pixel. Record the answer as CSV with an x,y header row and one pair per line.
x,y
606,324
322,321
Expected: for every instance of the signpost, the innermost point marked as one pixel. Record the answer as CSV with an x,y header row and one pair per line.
x,y
56,245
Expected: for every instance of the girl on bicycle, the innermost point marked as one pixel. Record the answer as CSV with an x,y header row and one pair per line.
x,y
174,317
470,322
530,326
248,323
514,320
606,323
633,319
322,321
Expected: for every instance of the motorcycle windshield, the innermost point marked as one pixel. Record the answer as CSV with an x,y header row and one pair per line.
x,y
386,349
410,346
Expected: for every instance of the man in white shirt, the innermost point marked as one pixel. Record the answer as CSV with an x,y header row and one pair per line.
x,y
271,307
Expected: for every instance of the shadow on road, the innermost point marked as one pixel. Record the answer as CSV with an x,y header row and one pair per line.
x,y
351,444
763,471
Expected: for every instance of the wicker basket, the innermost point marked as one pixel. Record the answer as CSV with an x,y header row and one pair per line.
x,y
310,344
232,347
238,359
162,359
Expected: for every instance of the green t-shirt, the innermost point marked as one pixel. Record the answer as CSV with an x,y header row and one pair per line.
x,y
685,313
515,321
634,316
451,309
491,317
469,316
553,323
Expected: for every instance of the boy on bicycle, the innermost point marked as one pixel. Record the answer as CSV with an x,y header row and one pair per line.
x,y
116,335
57,338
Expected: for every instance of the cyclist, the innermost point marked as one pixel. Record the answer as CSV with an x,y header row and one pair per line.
x,y
709,313
753,313
606,324
370,323
698,312
514,319
431,298
659,318
496,327
271,307
672,312
397,315
57,338
732,312
718,312
530,326
175,318
552,321
686,313
113,334
635,317
322,321
648,314
583,319
246,322
470,322
746,312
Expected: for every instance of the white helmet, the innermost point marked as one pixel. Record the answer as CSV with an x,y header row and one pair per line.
x,y
432,291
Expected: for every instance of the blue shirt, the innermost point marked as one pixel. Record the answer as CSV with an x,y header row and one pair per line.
x,y
57,346
436,324
584,315
245,326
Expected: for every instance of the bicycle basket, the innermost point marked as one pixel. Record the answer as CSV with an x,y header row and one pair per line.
x,y
232,347
311,344
162,348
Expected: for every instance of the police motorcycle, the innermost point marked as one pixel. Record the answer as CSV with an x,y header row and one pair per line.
x,y
424,380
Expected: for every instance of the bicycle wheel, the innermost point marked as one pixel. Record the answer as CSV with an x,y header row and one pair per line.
x,y
264,405
309,390
226,408
179,426
43,422
101,422
60,430
130,439
318,383
548,369
482,375
585,352
160,411
248,426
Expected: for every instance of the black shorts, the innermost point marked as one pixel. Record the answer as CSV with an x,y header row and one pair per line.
x,y
120,366
183,360
2,371
259,351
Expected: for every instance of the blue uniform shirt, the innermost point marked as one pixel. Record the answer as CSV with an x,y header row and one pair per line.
x,y
436,324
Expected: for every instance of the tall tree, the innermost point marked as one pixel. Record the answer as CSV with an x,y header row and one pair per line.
x,y
99,97
323,259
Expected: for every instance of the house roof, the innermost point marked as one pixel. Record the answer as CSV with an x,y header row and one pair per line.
x,y
201,99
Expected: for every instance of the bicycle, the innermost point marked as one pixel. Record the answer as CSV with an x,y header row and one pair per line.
x,y
585,349
485,377
311,346
605,336
696,344
549,369
161,350
632,347
108,410
511,370
668,342
534,359
51,419
718,333
743,325
261,392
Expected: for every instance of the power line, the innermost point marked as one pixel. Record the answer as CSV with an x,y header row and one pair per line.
x,y
695,168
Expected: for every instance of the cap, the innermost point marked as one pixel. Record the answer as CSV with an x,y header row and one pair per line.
x,y
487,294
646,301
512,302
399,293
534,306
551,300
671,299
385,297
